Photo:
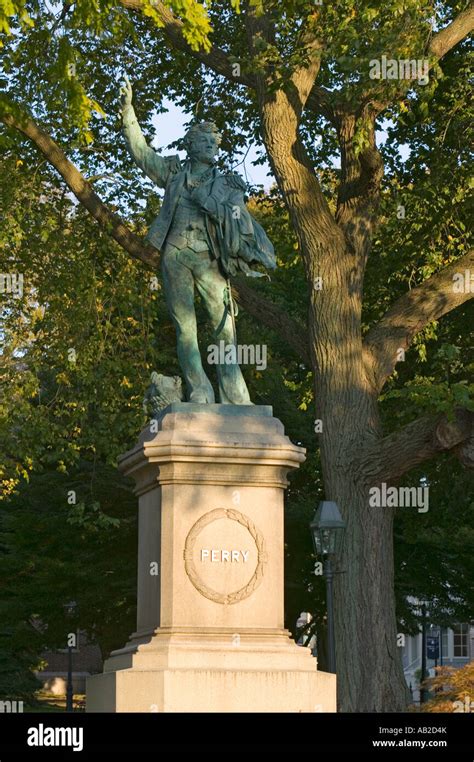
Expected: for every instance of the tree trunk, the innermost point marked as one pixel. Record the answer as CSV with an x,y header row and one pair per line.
x,y
369,668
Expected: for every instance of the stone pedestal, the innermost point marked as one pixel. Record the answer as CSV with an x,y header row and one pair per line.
x,y
210,634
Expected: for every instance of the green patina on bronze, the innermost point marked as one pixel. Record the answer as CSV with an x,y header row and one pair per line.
x,y
205,234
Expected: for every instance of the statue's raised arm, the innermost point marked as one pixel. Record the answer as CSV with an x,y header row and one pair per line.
x,y
158,168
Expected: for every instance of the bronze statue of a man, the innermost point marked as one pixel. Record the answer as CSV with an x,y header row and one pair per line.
x,y
205,234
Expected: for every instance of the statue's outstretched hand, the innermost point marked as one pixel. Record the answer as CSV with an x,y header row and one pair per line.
x,y
126,94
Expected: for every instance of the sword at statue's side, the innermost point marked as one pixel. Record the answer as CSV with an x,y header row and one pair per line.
x,y
228,301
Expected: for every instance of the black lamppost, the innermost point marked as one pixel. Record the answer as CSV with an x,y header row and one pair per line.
x,y
69,688
423,653
327,529
70,609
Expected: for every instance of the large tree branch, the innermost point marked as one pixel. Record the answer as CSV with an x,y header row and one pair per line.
x,y
359,189
429,301
82,190
324,102
260,35
215,59
396,454
304,76
437,47
361,175
443,41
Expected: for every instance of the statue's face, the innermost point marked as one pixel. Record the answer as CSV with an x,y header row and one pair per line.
x,y
203,147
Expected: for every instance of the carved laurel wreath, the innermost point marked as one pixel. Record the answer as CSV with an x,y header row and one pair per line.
x,y
254,582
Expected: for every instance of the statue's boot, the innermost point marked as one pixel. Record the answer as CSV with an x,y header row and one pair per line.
x,y
202,396
232,387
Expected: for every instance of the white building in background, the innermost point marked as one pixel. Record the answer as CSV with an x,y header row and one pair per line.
x,y
457,650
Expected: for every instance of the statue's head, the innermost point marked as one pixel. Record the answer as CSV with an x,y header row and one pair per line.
x,y
202,142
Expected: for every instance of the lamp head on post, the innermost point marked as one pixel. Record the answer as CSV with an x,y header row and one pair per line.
x,y
327,529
